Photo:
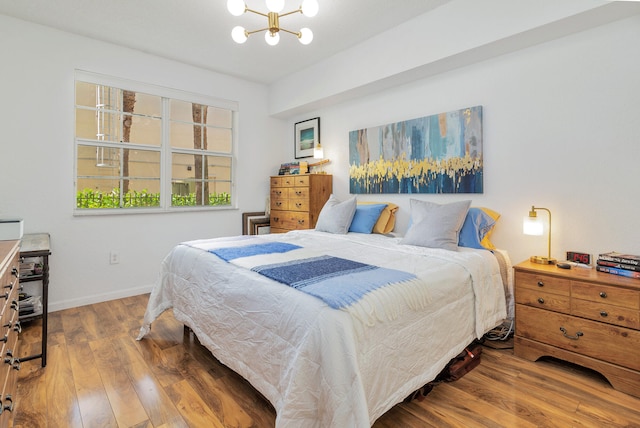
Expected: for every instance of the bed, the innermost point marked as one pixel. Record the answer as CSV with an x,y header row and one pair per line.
x,y
340,366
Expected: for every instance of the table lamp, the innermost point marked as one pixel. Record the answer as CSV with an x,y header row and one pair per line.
x,y
532,225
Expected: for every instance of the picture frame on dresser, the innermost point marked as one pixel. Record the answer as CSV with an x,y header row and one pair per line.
x,y
306,137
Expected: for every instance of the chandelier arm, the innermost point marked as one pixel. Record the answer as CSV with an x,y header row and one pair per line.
x,y
292,12
256,31
297,34
256,12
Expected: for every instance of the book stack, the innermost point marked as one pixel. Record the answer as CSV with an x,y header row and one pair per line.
x,y
619,264
293,168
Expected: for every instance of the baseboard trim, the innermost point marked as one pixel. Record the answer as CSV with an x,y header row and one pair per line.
x,y
98,298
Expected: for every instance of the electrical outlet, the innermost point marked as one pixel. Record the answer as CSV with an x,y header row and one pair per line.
x,y
114,258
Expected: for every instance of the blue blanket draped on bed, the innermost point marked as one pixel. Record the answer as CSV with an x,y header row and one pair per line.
x,y
338,282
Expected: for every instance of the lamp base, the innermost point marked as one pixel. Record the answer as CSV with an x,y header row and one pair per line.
x,y
542,260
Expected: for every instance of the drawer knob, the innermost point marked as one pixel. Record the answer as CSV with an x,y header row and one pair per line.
x,y
604,314
278,204
15,273
541,300
576,337
298,193
298,204
300,221
276,219
603,294
540,283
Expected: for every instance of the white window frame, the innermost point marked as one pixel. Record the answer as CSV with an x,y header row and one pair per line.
x,y
166,151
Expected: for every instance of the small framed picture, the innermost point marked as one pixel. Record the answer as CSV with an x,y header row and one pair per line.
x,y
307,137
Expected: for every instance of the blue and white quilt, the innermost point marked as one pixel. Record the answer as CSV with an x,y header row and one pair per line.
x,y
337,281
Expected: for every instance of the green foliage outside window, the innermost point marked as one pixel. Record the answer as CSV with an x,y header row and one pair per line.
x,y
90,199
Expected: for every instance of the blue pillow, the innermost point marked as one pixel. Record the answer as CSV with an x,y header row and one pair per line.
x,y
366,217
476,225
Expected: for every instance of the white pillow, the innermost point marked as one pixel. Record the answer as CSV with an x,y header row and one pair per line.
x,y
434,225
336,216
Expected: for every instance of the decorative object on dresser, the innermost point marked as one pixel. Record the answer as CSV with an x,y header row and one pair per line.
x,y
581,316
296,200
36,248
532,225
9,278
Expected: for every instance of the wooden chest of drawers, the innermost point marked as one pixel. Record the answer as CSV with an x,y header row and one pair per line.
x,y
296,200
10,327
582,316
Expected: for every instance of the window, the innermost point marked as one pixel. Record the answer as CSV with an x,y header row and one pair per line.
x,y
141,148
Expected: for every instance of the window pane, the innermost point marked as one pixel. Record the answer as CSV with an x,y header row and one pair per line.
x,y
147,105
85,94
182,135
98,125
199,180
144,130
219,168
219,140
181,111
219,117
142,165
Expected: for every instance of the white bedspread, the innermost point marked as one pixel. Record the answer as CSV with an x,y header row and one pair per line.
x,y
322,367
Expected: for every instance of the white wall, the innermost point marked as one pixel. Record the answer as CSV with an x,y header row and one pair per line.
x,y
36,160
560,131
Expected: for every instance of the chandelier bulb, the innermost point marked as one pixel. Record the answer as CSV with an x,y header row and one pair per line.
x,y
272,39
275,5
236,7
309,8
305,36
239,34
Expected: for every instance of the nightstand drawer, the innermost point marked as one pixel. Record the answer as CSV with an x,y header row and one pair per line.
x,y
549,284
610,314
606,294
615,345
540,299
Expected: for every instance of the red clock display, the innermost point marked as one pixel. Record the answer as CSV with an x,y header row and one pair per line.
x,y
574,256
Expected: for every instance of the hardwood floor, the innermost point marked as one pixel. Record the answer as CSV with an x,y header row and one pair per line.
x,y
98,375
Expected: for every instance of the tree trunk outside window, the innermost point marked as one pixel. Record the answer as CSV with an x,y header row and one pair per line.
x,y
128,101
199,113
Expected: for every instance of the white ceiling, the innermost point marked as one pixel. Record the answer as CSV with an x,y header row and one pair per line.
x,y
198,32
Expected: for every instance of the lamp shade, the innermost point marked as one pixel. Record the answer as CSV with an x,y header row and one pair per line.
x,y
532,226
318,152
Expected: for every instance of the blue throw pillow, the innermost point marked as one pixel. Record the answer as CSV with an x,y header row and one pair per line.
x,y
366,217
476,225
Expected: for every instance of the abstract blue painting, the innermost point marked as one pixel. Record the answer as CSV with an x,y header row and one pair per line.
x,y
441,153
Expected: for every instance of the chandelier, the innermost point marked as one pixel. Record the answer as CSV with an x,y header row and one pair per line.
x,y
272,36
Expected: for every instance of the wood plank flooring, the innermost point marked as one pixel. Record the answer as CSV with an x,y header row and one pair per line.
x,y
98,375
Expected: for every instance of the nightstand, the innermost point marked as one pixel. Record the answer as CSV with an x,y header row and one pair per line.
x,y
581,316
